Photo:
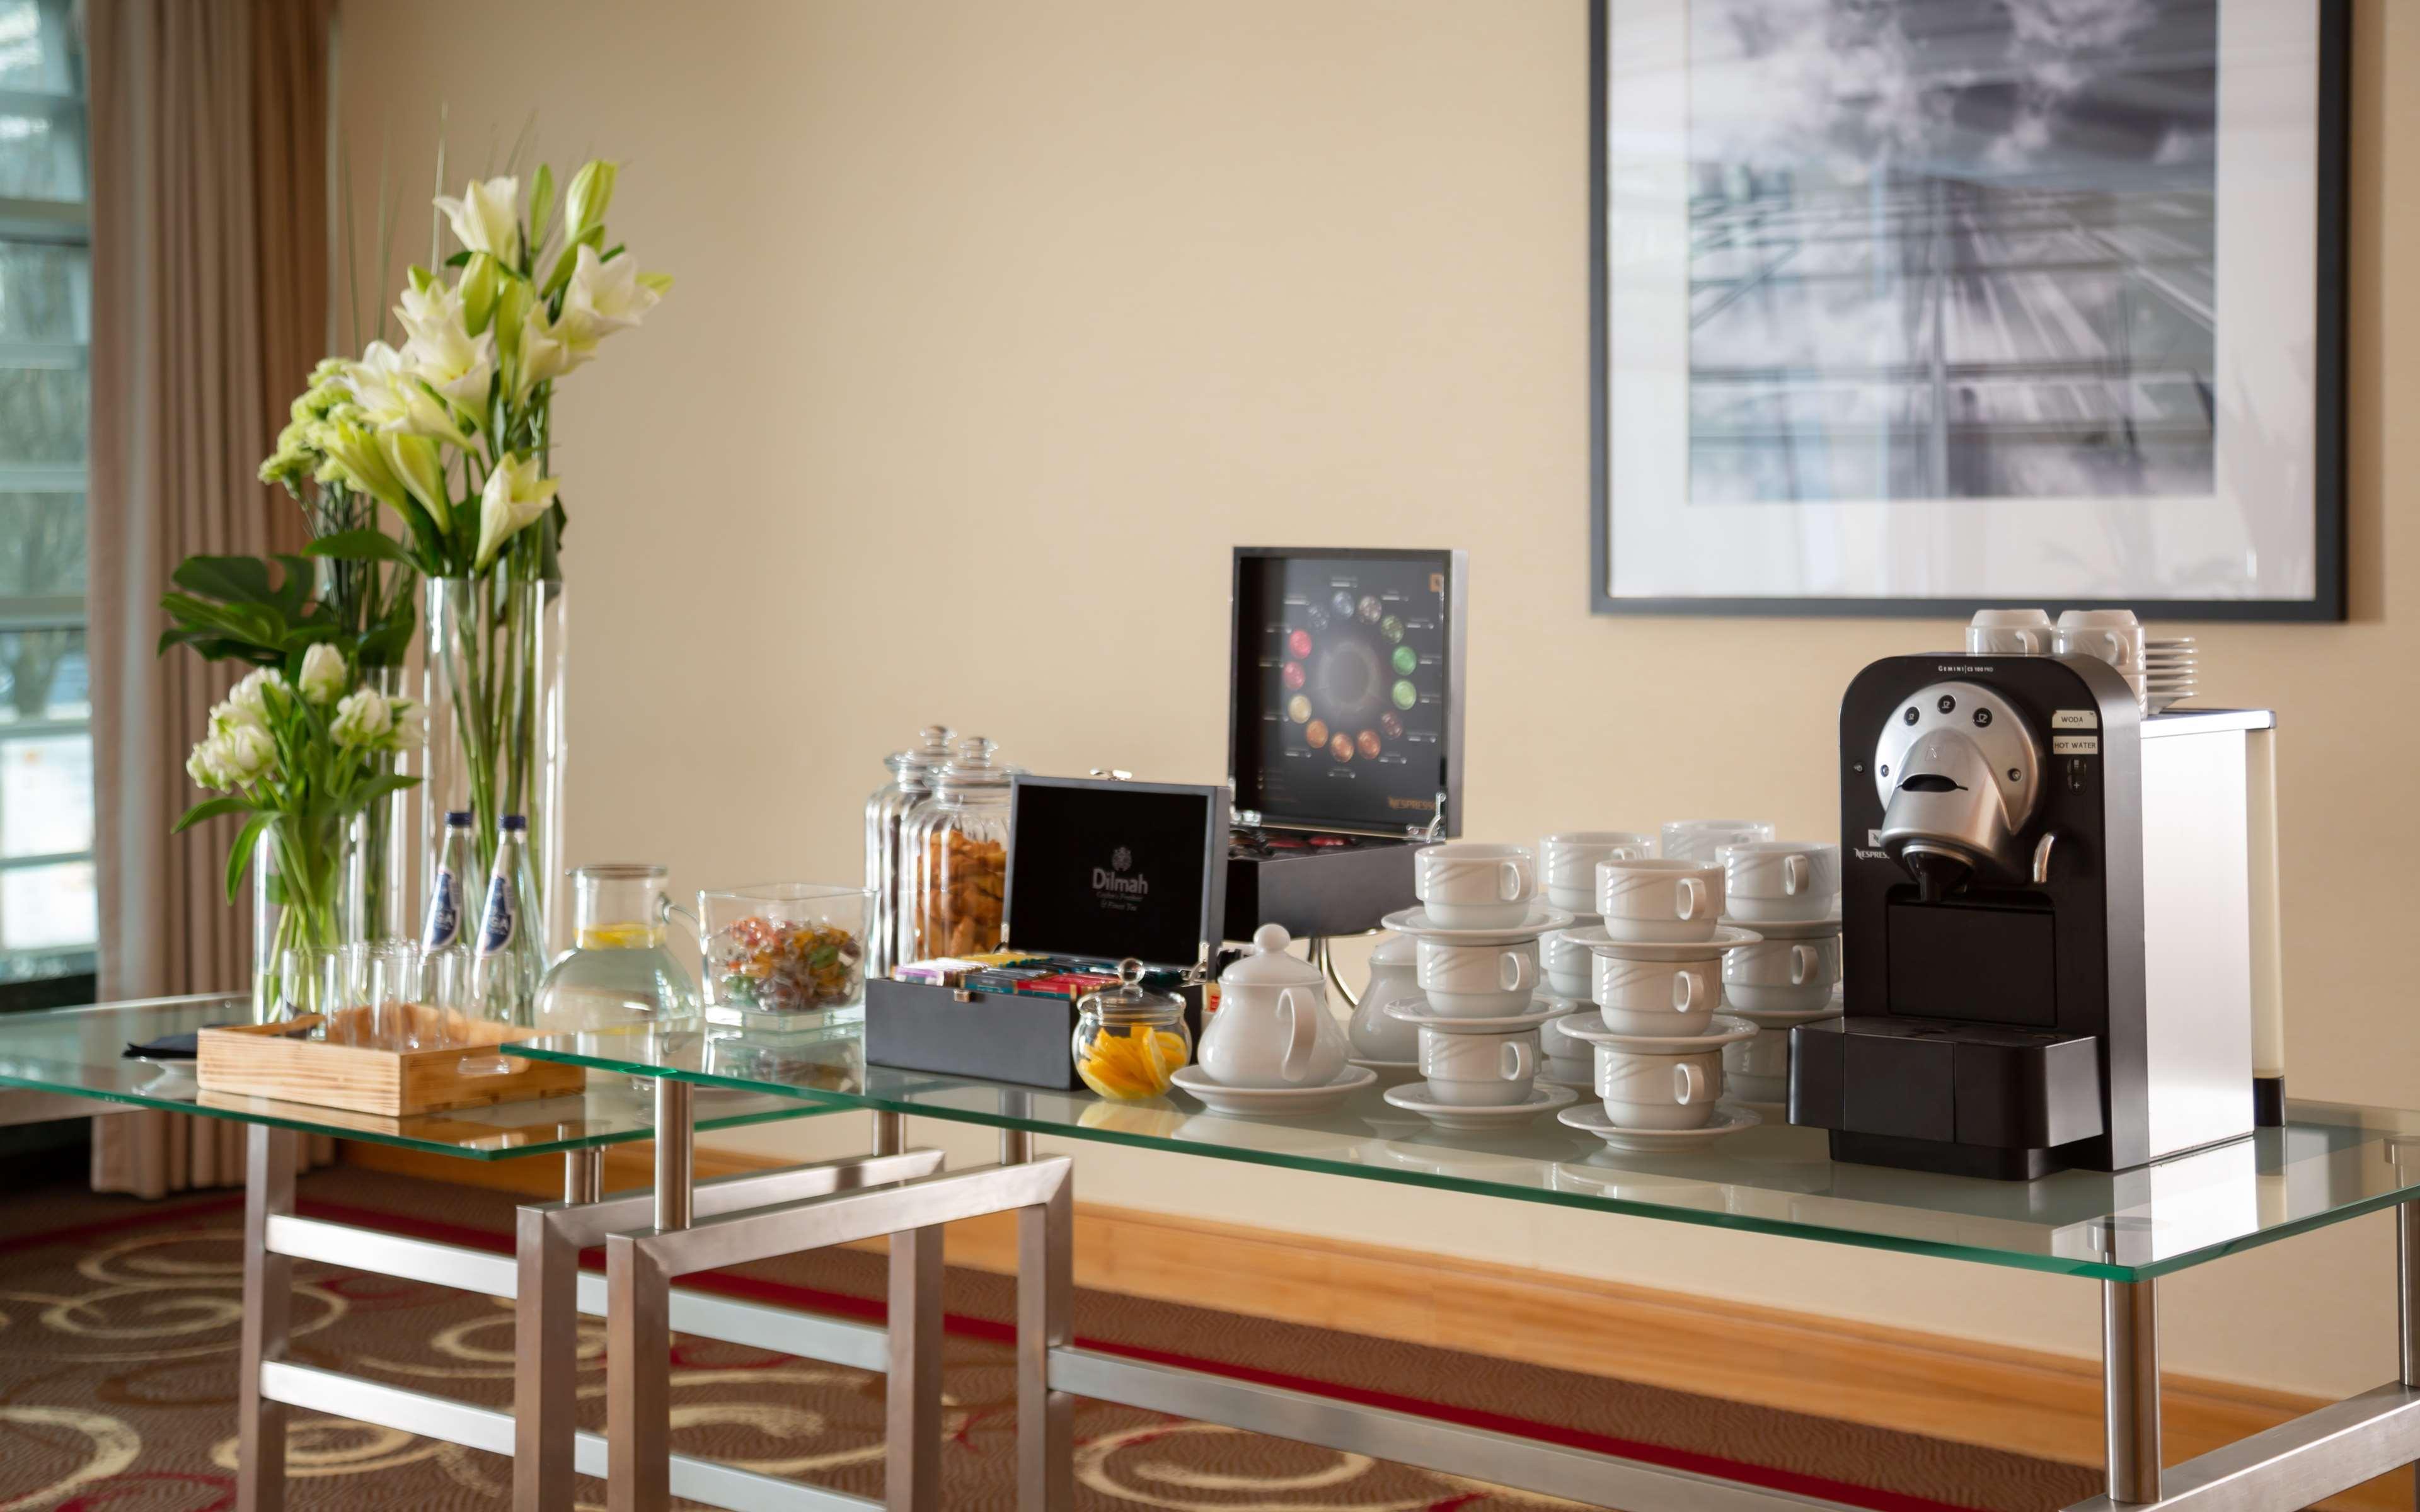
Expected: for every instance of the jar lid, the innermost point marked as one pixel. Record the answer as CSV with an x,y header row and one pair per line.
x,y
1395,950
1130,999
1269,965
931,749
972,767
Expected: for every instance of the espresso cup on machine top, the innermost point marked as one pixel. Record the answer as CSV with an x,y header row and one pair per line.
x,y
1782,975
1663,901
1477,980
1662,998
1780,881
1479,1070
1567,863
1661,1089
1471,885
2011,632
2114,634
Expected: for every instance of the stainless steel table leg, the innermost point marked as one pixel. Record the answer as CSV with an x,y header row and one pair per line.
x,y
2407,1303
912,1388
546,1364
675,1171
583,1176
2130,1371
638,1379
889,1132
1046,1296
269,1156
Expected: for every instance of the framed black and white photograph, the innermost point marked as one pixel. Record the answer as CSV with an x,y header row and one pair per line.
x,y
1917,306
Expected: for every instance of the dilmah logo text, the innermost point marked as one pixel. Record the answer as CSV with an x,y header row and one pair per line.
x,y
1110,879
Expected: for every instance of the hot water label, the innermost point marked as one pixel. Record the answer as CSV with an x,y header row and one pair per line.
x,y
2076,744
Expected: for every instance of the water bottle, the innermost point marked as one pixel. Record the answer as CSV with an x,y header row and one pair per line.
x,y
504,977
442,929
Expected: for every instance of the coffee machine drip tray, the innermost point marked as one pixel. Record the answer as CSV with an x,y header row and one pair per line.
x,y
1965,1099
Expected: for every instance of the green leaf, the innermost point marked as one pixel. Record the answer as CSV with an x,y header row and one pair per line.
x,y
294,595
251,623
361,545
385,786
210,809
241,856
228,579
458,258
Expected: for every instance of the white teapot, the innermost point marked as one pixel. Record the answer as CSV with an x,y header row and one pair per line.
x,y
1272,1029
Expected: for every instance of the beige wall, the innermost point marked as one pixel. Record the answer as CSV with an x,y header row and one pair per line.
x,y
999,323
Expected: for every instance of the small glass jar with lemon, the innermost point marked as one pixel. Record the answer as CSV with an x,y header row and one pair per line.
x,y
1129,1040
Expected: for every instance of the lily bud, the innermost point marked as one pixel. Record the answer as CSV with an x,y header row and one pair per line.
x,y
592,190
481,282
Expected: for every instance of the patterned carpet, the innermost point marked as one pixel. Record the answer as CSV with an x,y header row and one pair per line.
x,y
117,1324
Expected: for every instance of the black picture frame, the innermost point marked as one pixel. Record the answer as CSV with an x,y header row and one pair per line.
x,y
2328,601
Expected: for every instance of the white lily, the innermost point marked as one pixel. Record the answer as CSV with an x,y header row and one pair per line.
x,y
415,463
442,349
323,675
602,298
545,355
515,496
362,718
487,217
391,397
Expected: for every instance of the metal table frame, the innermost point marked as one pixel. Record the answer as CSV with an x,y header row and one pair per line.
x,y
683,1226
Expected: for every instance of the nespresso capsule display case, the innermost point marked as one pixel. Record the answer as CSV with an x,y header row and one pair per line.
x,y
1344,732
1098,870
2050,913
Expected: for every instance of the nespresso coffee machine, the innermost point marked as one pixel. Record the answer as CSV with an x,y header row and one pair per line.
x,y
2049,931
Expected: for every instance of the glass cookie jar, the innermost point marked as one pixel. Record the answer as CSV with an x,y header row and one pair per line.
x,y
1131,1041
957,845
886,822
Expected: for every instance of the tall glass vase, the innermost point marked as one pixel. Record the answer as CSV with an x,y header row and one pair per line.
x,y
298,876
493,658
379,874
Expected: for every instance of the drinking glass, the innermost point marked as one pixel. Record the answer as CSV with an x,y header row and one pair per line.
x,y
309,981
383,979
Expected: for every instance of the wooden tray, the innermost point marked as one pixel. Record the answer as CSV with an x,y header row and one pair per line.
x,y
258,1061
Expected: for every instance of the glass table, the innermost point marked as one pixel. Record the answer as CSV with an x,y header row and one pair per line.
x,y
2329,1163
72,1062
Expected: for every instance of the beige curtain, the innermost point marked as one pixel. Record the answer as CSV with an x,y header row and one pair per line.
x,y
210,269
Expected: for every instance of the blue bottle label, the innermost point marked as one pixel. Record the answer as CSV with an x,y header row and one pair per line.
x,y
497,929
444,913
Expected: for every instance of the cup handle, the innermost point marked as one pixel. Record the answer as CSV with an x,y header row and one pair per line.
x,y
1797,875
1802,965
1516,1062
1302,1035
1513,971
1685,991
1689,897
1512,886
1688,1082
2031,641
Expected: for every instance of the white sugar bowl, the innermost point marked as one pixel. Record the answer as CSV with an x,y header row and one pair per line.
x,y
1272,1029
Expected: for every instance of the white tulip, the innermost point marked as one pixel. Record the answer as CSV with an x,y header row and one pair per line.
x,y
486,218
323,674
247,702
602,298
411,723
245,753
204,768
515,496
440,348
388,390
362,718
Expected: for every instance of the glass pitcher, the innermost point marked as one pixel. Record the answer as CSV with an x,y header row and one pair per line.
x,y
618,971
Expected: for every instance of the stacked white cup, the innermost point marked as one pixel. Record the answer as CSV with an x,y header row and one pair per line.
x,y
1567,863
1787,892
1656,980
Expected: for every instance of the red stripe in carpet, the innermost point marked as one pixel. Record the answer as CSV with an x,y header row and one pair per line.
x,y
74,1232
756,1288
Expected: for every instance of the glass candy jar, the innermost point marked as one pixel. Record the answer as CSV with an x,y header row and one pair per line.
x,y
1129,1040
618,970
958,840
886,818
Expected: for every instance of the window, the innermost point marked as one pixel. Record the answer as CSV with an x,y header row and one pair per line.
x,y
48,914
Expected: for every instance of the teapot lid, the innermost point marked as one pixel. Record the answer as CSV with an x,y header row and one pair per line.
x,y
1269,965
1395,950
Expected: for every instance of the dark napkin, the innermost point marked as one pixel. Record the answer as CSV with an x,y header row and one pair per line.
x,y
187,1045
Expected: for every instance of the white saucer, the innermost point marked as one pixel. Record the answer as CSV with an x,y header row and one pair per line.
x,y
1279,1102
1592,1119
1391,1072
1414,922
1454,1116
1786,928
1725,937
1785,1020
1507,1023
1726,1029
